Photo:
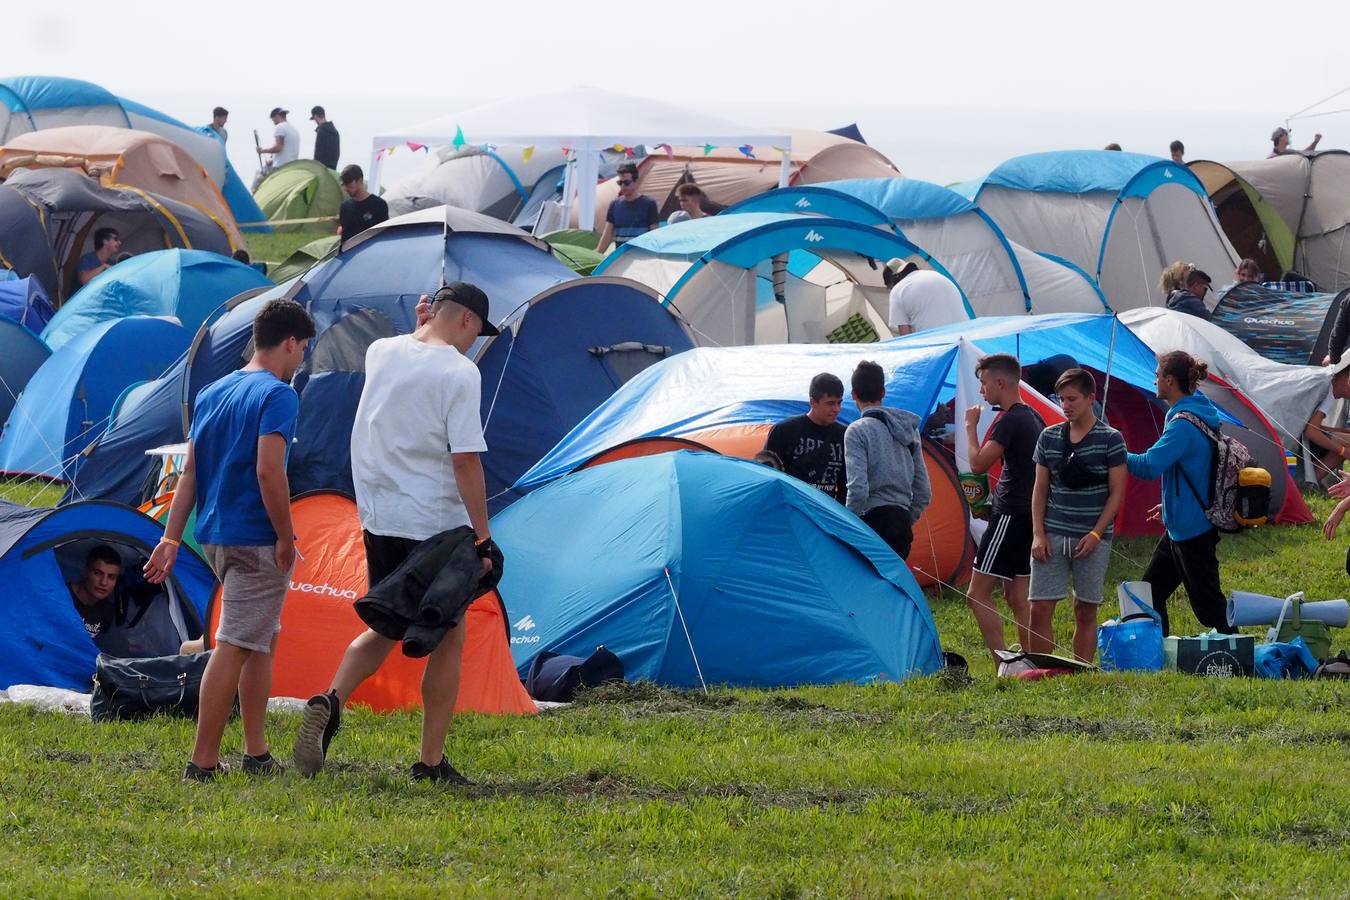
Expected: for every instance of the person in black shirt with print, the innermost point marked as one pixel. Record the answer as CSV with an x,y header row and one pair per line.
x,y
1005,550
811,446
361,209
93,593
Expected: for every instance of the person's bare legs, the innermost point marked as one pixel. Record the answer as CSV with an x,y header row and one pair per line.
x,y
1084,630
1016,591
364,656
255,686
440,688
220,682
1042,626
981,602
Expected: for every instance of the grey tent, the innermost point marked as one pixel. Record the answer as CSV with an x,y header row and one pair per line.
x,y
48,218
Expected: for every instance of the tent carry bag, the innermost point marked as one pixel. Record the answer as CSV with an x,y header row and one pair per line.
x,y
1213,654
137,688
1316,635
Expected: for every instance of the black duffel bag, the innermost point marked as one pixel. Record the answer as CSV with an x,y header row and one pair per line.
x,y
557,678
137,688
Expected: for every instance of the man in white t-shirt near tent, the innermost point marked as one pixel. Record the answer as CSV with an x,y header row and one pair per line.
x,y
286,139
921,298
416,473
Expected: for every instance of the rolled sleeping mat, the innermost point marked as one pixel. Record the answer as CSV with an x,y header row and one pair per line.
x,y
1245,608
1135,597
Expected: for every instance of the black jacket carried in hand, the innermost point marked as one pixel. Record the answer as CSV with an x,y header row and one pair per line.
x,y
426,596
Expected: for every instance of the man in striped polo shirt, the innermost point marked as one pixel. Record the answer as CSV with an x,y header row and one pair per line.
x,y
1080,485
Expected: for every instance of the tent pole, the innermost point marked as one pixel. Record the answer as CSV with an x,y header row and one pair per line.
x,y
588,170
785,165
376,163
1110,354
569,183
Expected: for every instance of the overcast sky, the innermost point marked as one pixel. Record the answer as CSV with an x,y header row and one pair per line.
x,y
395,62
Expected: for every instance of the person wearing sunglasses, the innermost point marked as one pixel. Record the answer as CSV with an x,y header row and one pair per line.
x,y
630,214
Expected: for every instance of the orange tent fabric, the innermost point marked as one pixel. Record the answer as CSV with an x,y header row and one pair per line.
x,y
125,158
942,546
318,622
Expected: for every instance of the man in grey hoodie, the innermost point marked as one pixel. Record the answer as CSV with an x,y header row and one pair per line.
x,y
887,478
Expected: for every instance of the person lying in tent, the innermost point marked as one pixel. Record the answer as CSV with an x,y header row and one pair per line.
x,y
1326,437
94,594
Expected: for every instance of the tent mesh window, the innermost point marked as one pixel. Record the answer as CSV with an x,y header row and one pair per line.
x,y
623,361
855,330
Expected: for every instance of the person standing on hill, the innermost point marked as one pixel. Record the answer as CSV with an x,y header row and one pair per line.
x,y
887,478
419,485
235,474
1004,554
1183,457
1080,486
285,139
361,209
811,446
1279,139
630,214
327,142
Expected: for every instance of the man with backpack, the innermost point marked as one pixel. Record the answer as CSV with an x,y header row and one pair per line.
x,y
1184,458
887,478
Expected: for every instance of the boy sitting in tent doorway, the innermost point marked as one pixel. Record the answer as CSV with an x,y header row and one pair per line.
x,y
94,592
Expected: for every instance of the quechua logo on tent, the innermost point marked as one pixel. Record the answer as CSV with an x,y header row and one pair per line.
x,y
323,590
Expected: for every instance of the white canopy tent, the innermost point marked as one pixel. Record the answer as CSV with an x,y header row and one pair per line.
x,y
584,120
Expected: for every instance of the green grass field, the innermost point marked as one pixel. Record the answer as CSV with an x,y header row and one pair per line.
x,y
1097,785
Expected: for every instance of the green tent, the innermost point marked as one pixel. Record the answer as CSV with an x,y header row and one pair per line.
x,y
1253,226
303,258
575,247
577,237
303,189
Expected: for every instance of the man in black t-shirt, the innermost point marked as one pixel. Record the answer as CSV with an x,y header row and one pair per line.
x,y
93,593
811,446
361,209
326,140
1005,550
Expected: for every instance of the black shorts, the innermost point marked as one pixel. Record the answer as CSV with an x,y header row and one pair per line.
x,y
384,554
892,525
1005,549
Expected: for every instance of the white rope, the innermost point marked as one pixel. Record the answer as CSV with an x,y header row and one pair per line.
x,y
674,596
1300,113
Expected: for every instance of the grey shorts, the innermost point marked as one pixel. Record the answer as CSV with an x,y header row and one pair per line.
x,y
1050,579
252,590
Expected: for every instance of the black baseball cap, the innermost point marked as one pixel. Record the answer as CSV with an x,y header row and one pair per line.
x,y
472,298
317,111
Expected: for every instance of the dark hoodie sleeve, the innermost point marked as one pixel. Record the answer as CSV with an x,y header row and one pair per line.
x,y
1340,329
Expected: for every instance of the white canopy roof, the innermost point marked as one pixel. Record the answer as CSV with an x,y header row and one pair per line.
x,y
584,119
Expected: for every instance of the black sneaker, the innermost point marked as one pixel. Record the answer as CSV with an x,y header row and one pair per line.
x,y
262,765
323,715
194,772
442,771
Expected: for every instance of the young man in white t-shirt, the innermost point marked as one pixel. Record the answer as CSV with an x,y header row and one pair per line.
x,y
286,139
920,298
416,472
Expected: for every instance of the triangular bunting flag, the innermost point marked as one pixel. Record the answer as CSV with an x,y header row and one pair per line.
x,y
459,141
528,152
414,146
708,148
747,150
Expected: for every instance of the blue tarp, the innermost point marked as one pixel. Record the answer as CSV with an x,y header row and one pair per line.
x,y
22,353
69,401
714,387
42,639
775,583
1081,171
189,285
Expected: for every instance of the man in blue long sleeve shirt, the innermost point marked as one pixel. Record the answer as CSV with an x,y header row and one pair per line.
x,y
1183,459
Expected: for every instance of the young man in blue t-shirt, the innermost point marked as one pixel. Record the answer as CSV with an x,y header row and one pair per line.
x,y
630,214
235,474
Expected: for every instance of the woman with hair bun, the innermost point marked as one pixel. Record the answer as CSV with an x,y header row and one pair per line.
x,y
1182,458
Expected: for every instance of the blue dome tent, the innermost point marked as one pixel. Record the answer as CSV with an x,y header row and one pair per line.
x,y
22,353
562,352
23,300
763,278
70,400
33,102
189,285
997,276
42,639
1121,217
700,569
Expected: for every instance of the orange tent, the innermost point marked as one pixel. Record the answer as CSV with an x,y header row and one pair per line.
x,y
942,550
123,157
318,622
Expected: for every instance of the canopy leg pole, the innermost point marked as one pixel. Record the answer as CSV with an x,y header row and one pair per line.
x,y
1110,354
785,166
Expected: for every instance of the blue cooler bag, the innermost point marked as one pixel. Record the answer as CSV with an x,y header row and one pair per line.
x,y
1134,643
